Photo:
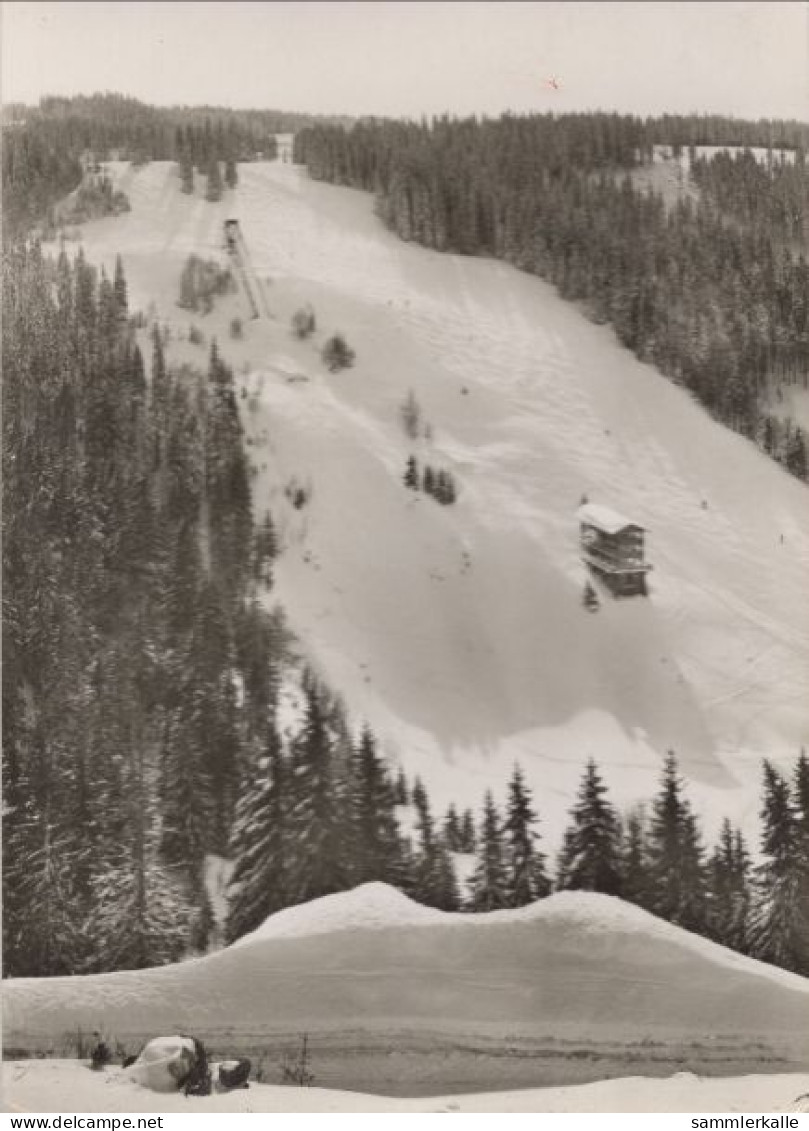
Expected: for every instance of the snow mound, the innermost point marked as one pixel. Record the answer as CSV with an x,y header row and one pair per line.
x,y
378,906
372,906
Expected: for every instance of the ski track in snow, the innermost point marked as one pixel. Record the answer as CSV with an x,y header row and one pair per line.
x,y
458,632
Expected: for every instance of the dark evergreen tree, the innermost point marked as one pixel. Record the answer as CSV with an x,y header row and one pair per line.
x,y
187,176
468,835
120,289
319,863
214,189
259,840
433,876
634,862
265,550
452,830
728,890
676,866
376,841
590,857
402,793
411,476
525,864
779,931
489,884
337,354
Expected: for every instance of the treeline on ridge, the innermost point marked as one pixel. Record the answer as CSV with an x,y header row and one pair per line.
x,y
714,292
42,144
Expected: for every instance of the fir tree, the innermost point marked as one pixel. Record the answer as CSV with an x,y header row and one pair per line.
x,y
433,877
402,794
303,322
187,176
527,879
800,795
411,476
468,835
259,840
319,862
265,550
120,289
376,830
779,930
489,884
728,894
452,830
676,869
634,863
590,857
213,191
231,175
337,354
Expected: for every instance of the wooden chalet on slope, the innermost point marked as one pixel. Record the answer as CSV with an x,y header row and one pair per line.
x,y
613,548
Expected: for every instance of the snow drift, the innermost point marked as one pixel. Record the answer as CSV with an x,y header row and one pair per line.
x,y
371,958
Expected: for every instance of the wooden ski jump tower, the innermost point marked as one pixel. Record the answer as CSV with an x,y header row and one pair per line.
x,y
243,267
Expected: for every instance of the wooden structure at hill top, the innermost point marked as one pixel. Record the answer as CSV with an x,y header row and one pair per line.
x,y
613,548
251,284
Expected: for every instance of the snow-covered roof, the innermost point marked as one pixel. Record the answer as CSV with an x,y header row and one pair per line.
x,y
605,518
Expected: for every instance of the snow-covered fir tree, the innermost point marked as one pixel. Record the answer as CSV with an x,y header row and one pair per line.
x,y
259,840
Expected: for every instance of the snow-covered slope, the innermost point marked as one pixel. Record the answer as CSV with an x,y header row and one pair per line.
x,y
576,963
459,632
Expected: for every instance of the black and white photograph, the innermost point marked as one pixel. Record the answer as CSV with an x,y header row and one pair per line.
x,y
405,557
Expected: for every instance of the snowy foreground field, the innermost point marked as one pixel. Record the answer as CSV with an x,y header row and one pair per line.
x,y
398,999
458,632
43,1086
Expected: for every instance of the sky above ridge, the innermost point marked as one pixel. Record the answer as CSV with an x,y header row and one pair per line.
x,y
408,59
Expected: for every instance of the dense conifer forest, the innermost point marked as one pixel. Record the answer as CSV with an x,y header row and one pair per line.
x,y
713,292
42,145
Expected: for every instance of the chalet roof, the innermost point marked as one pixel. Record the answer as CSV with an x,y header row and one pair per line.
x,y
605,518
